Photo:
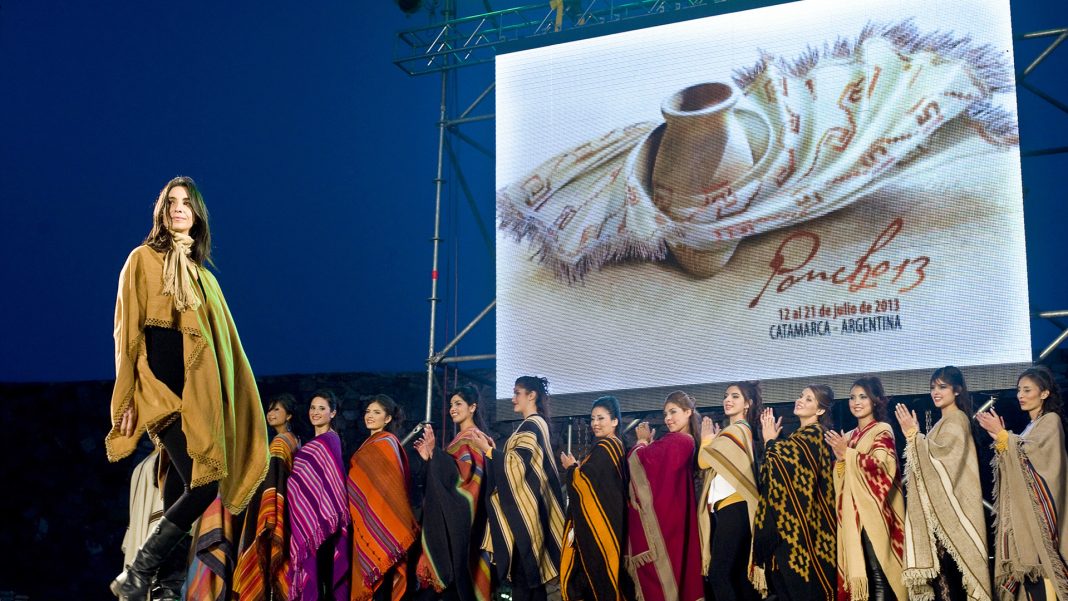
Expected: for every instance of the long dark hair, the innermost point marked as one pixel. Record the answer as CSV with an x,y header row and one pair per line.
x,y
469,394
393,410
540,387
685,401
873,387
611,405
753,394
159,237
825,398
951,375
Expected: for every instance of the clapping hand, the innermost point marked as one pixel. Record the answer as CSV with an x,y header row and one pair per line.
x,y
991,422
838,443
905,418
770,427
425,445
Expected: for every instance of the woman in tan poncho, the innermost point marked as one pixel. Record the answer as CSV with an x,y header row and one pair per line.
x,y
182,376
871,510
945,529
729,497
1031,494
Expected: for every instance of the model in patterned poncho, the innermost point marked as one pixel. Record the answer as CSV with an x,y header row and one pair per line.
x,y
592,560
525,506
871,508
729,497
383,525
318,512
453,562
945,529
264,552
663,551
794,539
1031,494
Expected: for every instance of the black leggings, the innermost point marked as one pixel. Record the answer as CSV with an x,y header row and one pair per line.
x,y
182,505
730,541
878,587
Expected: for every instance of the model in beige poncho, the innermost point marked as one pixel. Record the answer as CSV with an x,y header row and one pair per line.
x,y
871,508
945,529
1031,494
729,497
182,377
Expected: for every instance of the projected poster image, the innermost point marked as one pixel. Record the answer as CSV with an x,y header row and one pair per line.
x,y
792,191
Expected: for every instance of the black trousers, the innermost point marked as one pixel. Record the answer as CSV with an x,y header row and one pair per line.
x,y
521,589
878,586
730,540
182,505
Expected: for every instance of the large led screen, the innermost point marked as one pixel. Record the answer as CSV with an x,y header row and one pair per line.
x,y
794,191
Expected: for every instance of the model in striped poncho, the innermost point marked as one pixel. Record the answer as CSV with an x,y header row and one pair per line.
x,y
319,512
1031,494
454,518
945,529
591,566
525,497
383,525
264,554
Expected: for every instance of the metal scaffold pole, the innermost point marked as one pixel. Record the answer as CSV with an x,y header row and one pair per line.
x,y
439,183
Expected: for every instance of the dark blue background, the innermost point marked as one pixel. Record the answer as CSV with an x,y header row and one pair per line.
x,y
316,156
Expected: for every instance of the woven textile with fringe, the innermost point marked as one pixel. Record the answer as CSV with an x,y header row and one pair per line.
x,y
663,553
318,514
220,409
945,507
592,559
796,525
526,508
263,557
454,522
1031,498
383,525
730,455
869,498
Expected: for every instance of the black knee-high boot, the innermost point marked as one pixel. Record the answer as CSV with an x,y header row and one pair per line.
x,y
171,575
139,576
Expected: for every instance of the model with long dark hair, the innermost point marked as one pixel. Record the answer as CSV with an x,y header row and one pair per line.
x,y
591,567
383,523
945,535
317,510
871,507
729,496
453,562
794,537
663,550
1031,492
526,506
181,375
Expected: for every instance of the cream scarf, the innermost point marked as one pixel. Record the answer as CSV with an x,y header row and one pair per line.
x,y
179,273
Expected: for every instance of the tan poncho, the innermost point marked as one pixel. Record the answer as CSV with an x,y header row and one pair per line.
x,y
222,417
729,454
945,503
1031,500
869,499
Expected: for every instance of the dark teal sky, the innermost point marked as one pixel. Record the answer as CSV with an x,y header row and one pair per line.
x,y
316,156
